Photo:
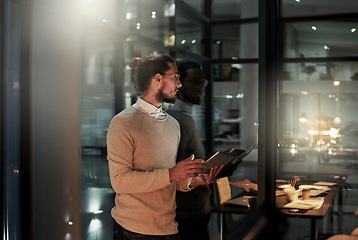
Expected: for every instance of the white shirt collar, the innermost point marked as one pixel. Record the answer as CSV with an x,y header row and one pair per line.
x,y
152,110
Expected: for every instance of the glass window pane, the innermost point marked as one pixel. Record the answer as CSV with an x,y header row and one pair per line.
x,y
97,108
319,117
11,104
196,4
232,41
235,95
149,18
234,9
235,111
294,8
188,34
321,39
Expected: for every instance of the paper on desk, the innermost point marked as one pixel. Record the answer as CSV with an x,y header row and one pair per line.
x,y
311,187
315,188
315,203
223,189
324,183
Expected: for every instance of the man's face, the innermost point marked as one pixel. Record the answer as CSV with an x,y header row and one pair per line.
x,y
170,85
193,86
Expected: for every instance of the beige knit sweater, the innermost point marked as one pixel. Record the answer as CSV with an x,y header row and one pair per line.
x,y
141,150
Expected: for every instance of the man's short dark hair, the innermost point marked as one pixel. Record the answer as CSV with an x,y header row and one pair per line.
x,y
183,67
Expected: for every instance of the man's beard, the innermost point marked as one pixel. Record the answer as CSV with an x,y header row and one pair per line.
x,y
162,97
192,99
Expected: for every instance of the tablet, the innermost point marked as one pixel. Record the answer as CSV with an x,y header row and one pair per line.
x,y
231,167
219,158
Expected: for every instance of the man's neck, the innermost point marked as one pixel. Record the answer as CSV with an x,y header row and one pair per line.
x,y
151,100
181,98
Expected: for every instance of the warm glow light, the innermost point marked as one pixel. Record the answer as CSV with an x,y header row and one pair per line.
x,y
302,119
337,120
304,92
334,132
170,41
312,132
293,151
336,83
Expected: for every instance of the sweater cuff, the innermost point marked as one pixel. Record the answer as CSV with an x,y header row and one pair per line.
x,y
189,182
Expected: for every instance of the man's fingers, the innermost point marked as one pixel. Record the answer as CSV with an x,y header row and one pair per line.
x,y
195,161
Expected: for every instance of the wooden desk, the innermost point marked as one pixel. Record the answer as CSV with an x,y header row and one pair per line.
x,y
312,214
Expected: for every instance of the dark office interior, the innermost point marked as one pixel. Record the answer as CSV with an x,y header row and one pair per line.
x,y
282,77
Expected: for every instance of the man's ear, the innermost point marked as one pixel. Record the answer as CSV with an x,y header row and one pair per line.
x,y
157,77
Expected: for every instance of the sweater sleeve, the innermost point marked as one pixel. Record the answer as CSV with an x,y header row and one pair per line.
x,y
124,178
183,186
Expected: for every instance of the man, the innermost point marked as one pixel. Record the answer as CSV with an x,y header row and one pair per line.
x,y
193,208
142,143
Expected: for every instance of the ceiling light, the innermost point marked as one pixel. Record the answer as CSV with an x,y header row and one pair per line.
x,y
314,28
98,211
303,118
154,14
193,41
336,83
138,26
183,42
353,30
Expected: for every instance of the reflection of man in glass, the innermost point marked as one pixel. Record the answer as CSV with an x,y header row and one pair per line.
x,y
193,208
